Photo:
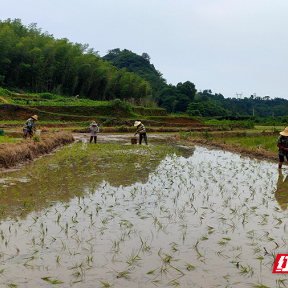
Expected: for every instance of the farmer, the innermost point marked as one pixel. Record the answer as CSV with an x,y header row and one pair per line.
x,y
141,131
29,126
282,144
94,130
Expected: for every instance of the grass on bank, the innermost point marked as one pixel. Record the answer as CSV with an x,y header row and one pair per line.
x,y
7,139
244,140
267,142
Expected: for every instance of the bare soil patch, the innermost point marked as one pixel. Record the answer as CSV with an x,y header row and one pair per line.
x,y
3,99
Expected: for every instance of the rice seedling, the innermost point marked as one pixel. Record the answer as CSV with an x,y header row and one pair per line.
x,y
190,267
58,258
259,286
281,282
133,258
174,283
124,274
98,215
220,254
105,284
56,281
246,270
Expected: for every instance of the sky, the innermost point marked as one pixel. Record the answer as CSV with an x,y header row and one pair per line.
x,y
229,46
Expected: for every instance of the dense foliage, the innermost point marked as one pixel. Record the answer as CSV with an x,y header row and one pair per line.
x,y
172,98
138,64
215,105
183,98
37,62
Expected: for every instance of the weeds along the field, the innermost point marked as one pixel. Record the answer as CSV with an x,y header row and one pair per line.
x,y
268,142
254,142
7,139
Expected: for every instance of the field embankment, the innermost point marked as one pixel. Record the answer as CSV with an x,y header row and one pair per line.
x,y
76,113
83,115
256,145
101,110
15,153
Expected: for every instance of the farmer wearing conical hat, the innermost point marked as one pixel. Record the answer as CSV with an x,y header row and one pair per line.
x,y
141,131
94,129
282,144
29,126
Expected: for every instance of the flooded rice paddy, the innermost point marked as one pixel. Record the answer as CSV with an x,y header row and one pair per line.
x,y
121,215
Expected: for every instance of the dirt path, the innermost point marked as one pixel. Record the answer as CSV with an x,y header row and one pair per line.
x,y
6,101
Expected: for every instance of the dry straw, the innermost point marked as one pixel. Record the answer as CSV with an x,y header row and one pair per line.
x,y
14,153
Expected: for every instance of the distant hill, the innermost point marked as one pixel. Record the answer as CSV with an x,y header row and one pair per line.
x,y
140,65
172,98
35,62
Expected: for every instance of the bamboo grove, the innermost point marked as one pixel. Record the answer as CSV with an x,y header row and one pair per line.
x,y
37,62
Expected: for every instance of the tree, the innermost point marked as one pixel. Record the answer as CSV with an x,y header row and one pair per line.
x,y
187,88
146,56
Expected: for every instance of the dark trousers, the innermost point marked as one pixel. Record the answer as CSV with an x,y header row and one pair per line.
x,y
95,139
141,136
26,132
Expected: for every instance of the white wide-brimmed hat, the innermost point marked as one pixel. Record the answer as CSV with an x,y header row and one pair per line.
x,y
137,123
285,132
93,123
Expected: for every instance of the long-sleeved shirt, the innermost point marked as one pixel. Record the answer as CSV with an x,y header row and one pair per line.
x,y
140,129
282,142
94,130
29,125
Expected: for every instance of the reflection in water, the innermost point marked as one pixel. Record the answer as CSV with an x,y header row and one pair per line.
x,y
281,194
186,151
73,172
200,221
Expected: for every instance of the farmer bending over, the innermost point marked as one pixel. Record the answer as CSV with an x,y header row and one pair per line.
x,y
94,130
141,131
29,126
282,144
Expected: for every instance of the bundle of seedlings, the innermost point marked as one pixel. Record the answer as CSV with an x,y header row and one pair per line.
x,y
14,153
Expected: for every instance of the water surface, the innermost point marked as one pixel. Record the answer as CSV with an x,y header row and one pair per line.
x,y
197,218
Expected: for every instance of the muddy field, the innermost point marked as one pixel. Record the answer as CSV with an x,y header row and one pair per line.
x,y
122,215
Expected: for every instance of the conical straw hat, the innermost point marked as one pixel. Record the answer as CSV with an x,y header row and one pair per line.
x,y
285,132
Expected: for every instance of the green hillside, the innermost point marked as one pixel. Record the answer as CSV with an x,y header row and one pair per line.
x,y
32,61
36,62
172,98
138,64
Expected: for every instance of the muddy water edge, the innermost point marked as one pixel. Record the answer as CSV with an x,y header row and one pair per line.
x,y
122,215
